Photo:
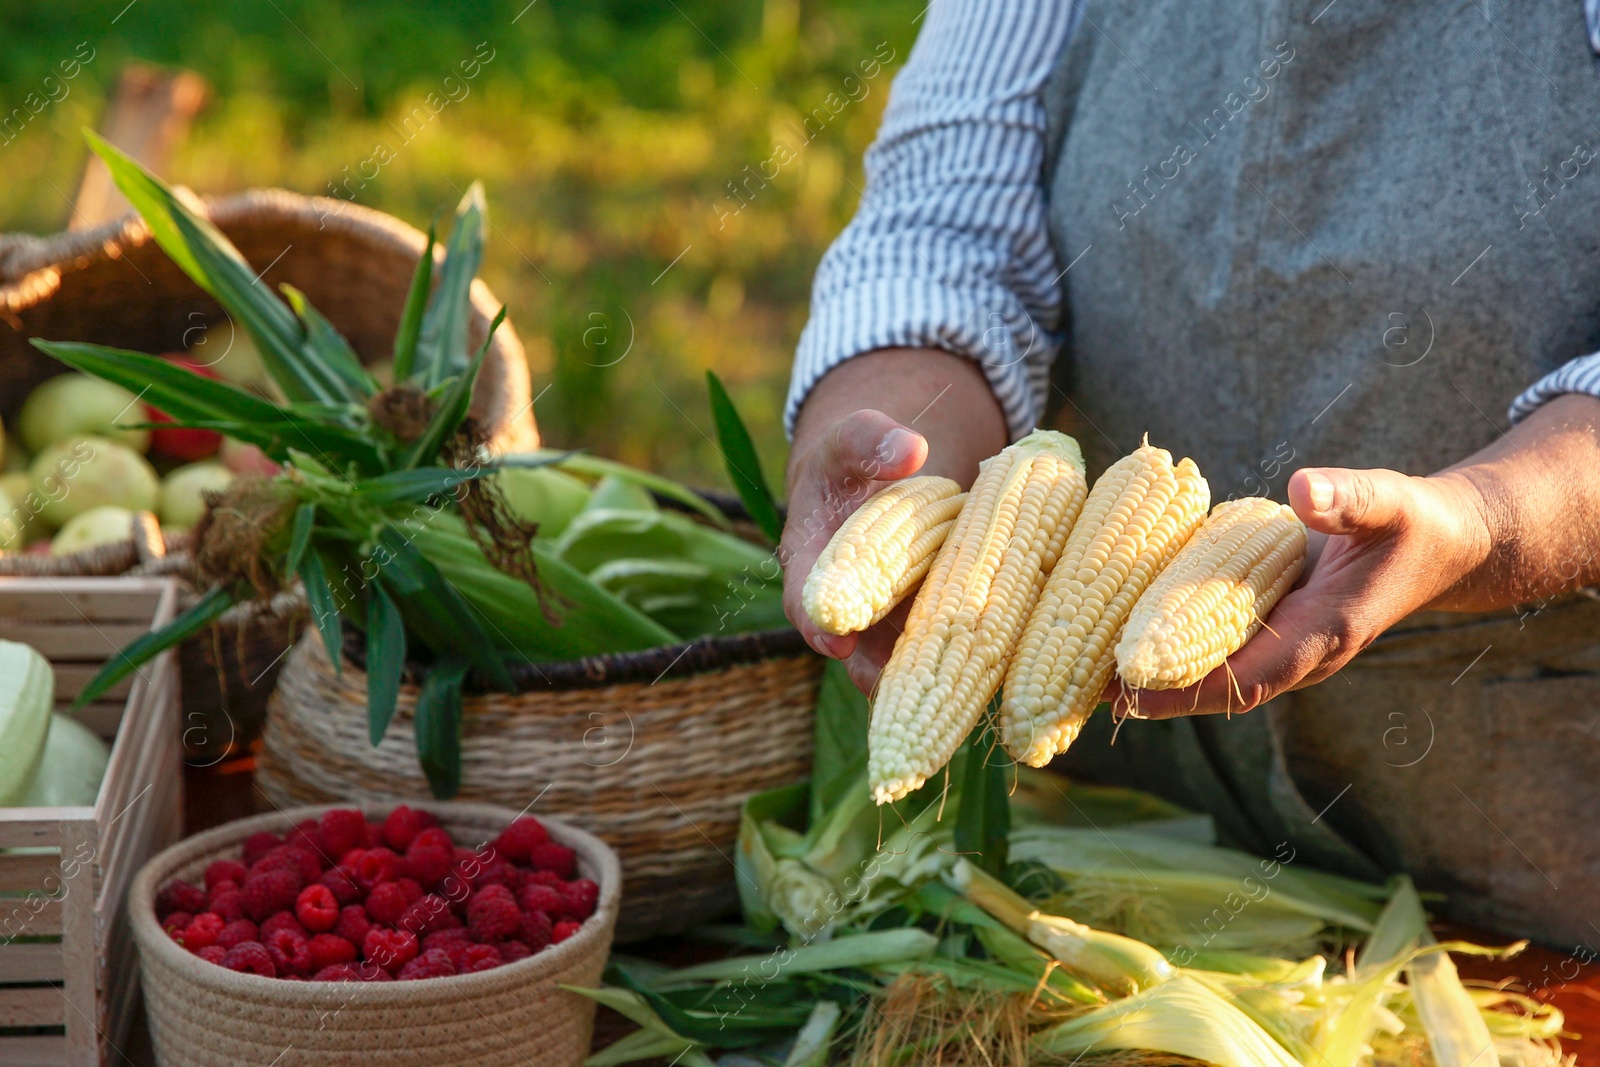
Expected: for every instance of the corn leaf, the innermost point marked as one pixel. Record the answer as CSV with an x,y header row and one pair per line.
x,y
422,483
433,608
146,647
212,262
595,467
442,347
983,819
856,951
328,345
438,725
305,520
744,466
655,1039
324,610
811,1044
840,739
386,660
405,337
452,407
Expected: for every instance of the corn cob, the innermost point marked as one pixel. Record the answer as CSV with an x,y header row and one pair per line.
x,y
952,655
1213,596
1138,515
880,553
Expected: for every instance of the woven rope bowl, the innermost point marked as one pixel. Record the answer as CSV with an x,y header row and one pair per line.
x,y
202,1015
113,285
656,751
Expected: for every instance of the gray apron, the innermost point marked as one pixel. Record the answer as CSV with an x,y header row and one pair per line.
x,y
1347,234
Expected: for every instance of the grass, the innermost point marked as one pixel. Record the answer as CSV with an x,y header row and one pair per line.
x,y
622,143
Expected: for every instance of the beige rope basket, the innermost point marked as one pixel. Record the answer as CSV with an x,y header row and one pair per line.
x,y
113,285
202,1015
655,751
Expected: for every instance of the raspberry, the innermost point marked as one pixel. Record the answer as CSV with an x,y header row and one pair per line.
x,y
499,872
512,951
517,841
549,878
580,898
212,953
563,930
553,857
433,837
492,914
337,972
427,914
176,923
435,964
294,858
238,932
370,972
386,902
341,883
428,864
224,871
376,866
446,938
329,949
342,829
307,839
290,952
269,892
389,949
316,908
400,828
178,895
202,931
250,957
375,834
535,930
229,903
259,844
283,920
534,897
472,958
353,924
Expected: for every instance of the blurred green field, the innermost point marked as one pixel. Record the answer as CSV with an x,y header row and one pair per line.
x,y
663,175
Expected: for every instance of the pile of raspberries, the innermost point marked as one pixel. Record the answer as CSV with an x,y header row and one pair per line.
x,y
341,899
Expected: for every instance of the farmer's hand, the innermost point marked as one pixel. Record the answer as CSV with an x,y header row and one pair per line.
x,y
876,419
1519,522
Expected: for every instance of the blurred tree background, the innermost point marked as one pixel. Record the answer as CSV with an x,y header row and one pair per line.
x,y
662,175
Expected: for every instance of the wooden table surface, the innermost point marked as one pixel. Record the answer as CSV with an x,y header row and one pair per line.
x,y
226,792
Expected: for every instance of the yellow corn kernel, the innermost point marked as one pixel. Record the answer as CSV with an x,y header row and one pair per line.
x,y
963,624
880,553
1138,515
1213,596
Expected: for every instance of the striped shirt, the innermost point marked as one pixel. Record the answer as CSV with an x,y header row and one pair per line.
x,y
949,247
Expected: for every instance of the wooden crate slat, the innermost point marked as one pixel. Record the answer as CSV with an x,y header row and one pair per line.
x,y
101,717
31,961
29,872
71,677
46,1050
103,600
81,643
30,917
29,827
38,1006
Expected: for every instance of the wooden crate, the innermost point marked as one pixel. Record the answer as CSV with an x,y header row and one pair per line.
x,y
68,969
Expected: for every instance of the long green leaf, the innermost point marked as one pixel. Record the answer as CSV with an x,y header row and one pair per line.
x,y
442,349
438,725
859,950
840,739
305,520
386,660
418,485
983,819
405,338
451,409
744,466
324,609
212,262
433,608
595,467
330,346
146,647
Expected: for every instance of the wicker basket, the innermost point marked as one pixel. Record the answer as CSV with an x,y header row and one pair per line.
x,y
204,1016
656,751
113,285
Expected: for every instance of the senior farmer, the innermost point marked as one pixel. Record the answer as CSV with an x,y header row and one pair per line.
x,y
1320,248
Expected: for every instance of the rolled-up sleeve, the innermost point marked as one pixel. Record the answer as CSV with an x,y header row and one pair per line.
x,y
1581,375
949,247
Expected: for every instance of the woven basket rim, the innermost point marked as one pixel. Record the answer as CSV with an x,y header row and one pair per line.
x,y
593,935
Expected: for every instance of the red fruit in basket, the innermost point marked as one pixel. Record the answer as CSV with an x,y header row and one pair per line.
x,y
342,829
225,871
228,903
283,920
492,914
370,972
250,957
341,882
212,953
186,446
460,935
316,908
267,892
259,844
376,866
178,895
202,931
558,859
329,949
389,949
471,958
176,923
435,964
401,827
428,914
432,836
512,951
238,932
353,924
580,898
428,864
548,878
517,841
305,836
293,858
290,952
387,902
536,897
563,930
536,930
337,972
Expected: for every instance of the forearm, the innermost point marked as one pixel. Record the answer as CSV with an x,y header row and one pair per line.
x,y
943,397
1536,492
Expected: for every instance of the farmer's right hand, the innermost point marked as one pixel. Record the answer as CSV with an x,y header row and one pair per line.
x,y
872,420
